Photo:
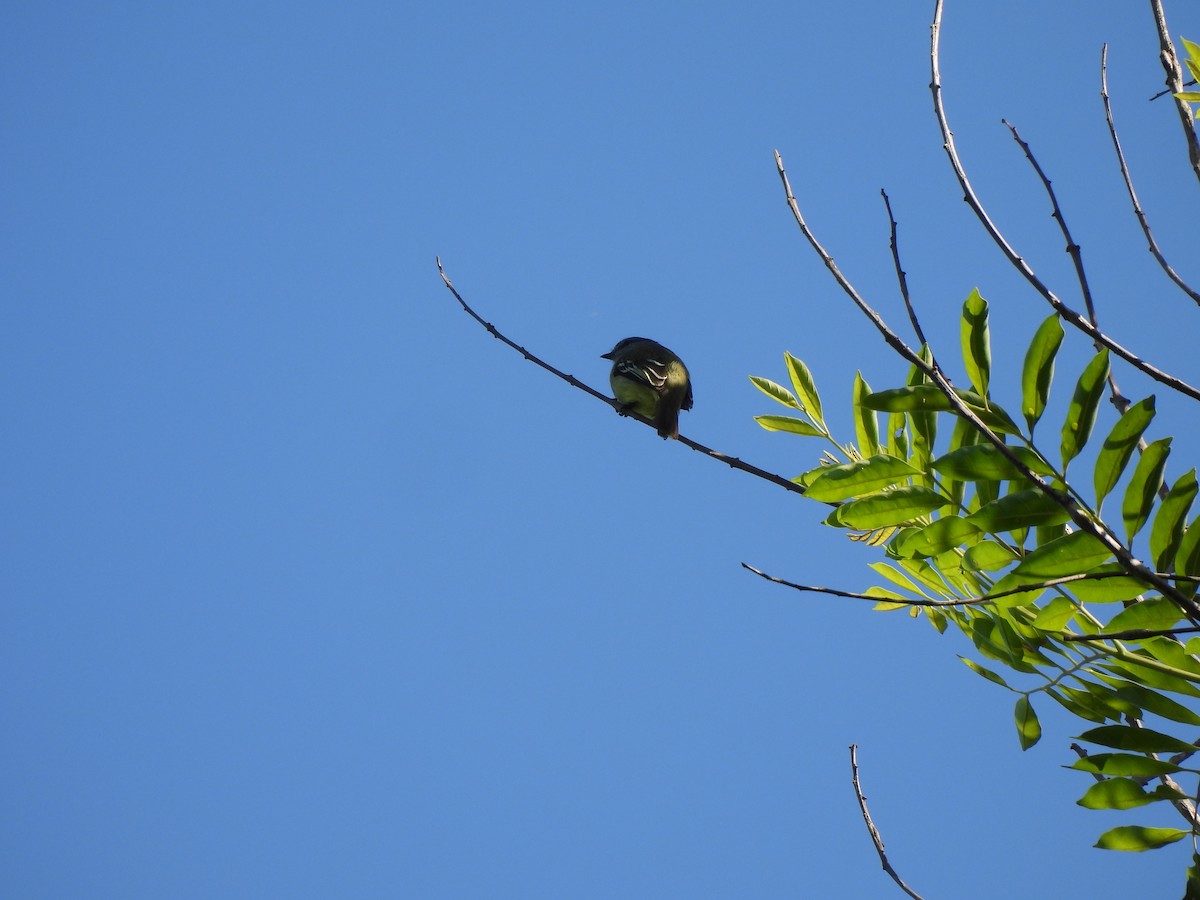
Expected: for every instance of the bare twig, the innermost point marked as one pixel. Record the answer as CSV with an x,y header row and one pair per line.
x,y
900,274
1133,634
874,832
975,601
1082,519
1133,198
731,461
1174,73
1068,315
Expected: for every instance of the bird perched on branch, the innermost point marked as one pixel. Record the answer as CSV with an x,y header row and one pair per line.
x,y
650,380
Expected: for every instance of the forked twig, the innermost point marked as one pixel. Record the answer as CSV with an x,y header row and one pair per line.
x,y
732,461
1174,72
1067,313
1133,198
874,832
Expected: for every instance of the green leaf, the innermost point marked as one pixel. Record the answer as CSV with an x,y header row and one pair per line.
x,y
986,673
1069,555
1039,370
775,392
854,479
1142,740
1154,702
1119,446
929,398
988,556
1029,729
806,388
1152,614
1108,590
1081,414
1138,837
1121,793
1187,557
986,461
1055,614
886,508
1124,764
1143,486
1167,530
787,423
866,425
1021,509
896,577
937,537
976,343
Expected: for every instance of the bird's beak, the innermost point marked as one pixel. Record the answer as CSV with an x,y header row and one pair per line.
x,y
607,355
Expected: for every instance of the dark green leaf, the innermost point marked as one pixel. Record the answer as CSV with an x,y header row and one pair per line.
x,y
1081,415
1142,740
1187,557
1154,702
1039,369
1119,446
1167,530
1108,590
1143,486
1029,730
976,344
866,425
1139,837
854,479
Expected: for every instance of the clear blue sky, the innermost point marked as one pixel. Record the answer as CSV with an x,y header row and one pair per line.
x,y
313,589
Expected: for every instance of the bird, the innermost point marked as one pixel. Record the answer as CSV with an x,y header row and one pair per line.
x,y
650,380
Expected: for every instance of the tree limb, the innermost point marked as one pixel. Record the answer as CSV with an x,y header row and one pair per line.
x,y
874,832
1174,72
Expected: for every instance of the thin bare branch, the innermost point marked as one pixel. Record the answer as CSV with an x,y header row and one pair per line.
x,y
1077,514
1133,634
1174,73
976,601
1133,198
900,274
1073,248
1068,315
874,832
732,461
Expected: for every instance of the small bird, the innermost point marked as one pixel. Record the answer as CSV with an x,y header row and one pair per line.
x,y
650,380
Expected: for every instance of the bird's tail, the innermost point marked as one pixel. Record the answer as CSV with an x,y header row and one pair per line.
x,y
666,417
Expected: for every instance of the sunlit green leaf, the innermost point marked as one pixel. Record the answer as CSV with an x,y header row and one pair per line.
x,y
986,673
1021,509
1152,614
1122,793
988,556
1029,729
805,388
787,423
1167,530
1069,555
866,424
937,537
1039,369
1081,414
853,479
986,461
976,343
886,508
1055,614
1154,702
1124,764
895,576
1139,837
1119,446
775,392
1108,590
1143,486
